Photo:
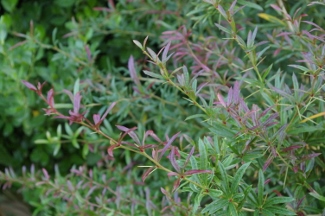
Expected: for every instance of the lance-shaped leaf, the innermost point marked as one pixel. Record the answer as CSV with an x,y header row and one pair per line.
x,y
98,120
167,146
130,132
238,177
133,72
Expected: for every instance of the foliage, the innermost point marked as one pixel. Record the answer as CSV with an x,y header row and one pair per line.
x,y
225,119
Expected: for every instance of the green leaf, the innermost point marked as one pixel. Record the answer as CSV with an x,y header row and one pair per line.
x,y
75,144
9,5
281,211
195,116
68,129
232,210
304,129
250,4
224,178
149,73
260,187
277,200
57,149
304,69
138,44
153,54
221,130
266,213
85,150
59,131
194,85
76,87
214,193
215,206
248,157
317,196
203,161
42,141
238,177
203,155
266,71
223,28
197,201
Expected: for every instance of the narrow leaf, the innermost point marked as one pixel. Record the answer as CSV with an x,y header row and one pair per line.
x,y
238,177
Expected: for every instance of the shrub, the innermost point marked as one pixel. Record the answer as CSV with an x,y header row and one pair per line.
x,y
246,140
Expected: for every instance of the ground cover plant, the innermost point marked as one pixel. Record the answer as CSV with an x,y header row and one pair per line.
x,y
221,114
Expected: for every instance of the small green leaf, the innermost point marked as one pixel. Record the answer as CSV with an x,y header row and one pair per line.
x,y
250,4
266,71
215,206
214,193
238,177
305,129
281,211
68,129
304,69
277,200
317,196
223,28
9,5
224,177
41,141
56,149
85,150
195,116
153,54
194,85
76,87
232,210
59,131
203,155
54,32
75,144
203,161
197,202
138,44
149,73
260,187
223,131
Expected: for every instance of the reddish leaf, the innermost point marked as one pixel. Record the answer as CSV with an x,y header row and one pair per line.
x,y
192,172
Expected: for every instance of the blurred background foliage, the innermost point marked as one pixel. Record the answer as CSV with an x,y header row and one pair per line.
x,y
49,41
62,41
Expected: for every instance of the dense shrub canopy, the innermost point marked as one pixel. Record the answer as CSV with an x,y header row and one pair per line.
x,y
163,107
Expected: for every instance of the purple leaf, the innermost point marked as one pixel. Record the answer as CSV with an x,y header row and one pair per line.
x,y
192,172
173,159
166,49
172,174
76,102
50,98
96,118
291,148
267,163
223,103
132,71
167,145
29,85
176,184
130,132
147,173
189,156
